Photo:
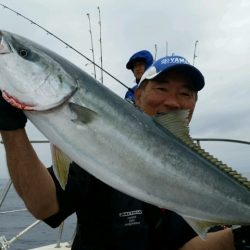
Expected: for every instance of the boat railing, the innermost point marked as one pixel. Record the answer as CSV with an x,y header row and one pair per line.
x,y
4,243
198,140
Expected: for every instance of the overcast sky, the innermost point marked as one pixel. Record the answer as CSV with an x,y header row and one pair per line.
x,y
222,29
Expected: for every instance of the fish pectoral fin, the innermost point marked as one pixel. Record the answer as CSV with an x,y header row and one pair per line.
x,y
200,227
61,163
83,114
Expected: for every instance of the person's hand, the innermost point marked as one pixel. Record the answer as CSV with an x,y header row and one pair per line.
x,y
242,238
10,118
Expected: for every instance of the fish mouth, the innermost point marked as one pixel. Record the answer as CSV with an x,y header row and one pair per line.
x,y
15,103
4,46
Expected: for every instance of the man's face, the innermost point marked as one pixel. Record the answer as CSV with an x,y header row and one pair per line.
x,y
171,92
138,69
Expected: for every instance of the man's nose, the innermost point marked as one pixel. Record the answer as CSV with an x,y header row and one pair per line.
x,y
172,101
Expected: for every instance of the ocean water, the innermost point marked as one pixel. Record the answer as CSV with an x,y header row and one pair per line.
x,y
12,224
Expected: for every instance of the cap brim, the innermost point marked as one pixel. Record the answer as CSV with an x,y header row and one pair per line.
x,y
195,74
129,65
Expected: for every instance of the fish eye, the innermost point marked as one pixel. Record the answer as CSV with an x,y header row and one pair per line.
x,y
23,52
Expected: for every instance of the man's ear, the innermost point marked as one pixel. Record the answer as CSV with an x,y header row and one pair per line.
x,y
138,93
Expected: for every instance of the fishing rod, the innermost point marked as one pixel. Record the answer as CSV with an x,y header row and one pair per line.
x,y
100,40
195,51
92,46
155,51
65,43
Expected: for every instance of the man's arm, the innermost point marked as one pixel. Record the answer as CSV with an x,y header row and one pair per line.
x,y
30,177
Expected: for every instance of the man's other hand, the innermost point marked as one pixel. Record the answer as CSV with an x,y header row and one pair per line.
x,y
10,118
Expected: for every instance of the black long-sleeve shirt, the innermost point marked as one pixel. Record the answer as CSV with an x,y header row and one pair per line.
x,y
108,219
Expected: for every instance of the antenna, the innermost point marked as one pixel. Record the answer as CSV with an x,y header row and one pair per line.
x,y
65,43
195,50
100,40
92,47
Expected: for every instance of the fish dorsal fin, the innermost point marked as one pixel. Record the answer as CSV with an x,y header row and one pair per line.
x,y
177,123
83,114
61,163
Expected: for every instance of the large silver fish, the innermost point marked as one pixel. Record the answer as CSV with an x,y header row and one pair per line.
x,y
116,142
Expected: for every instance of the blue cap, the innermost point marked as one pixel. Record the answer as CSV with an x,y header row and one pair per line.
x,y
164,64
140,55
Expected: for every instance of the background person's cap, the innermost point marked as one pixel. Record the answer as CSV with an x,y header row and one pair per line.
x,y
140,55
164,64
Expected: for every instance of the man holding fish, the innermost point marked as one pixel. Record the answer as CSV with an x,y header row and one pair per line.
x,y
108,218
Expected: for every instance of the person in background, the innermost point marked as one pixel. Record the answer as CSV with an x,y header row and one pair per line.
x,y
104,213
138,63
